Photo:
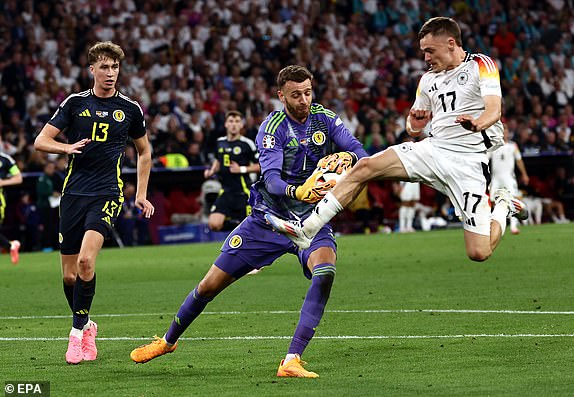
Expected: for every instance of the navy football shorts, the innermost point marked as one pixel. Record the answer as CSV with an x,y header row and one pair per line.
x,y
81,213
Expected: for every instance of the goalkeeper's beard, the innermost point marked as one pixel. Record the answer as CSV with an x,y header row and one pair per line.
x,y
298,113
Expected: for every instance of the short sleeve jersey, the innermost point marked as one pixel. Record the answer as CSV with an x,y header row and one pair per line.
x,y
294,149
243,152
459,91
503,160
8,167
108,122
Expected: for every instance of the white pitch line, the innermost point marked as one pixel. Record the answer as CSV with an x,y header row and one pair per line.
x,y
342,337
464,311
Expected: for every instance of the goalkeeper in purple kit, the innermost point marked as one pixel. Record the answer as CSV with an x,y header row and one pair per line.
x,y
291,143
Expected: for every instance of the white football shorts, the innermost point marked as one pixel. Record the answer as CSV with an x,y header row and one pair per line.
x,y
460,176
508,182
410,191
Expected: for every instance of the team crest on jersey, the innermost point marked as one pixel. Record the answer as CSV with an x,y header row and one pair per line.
x,y
237,150
462,78
119,115
235,241
101,113
318,138
404,147
268,142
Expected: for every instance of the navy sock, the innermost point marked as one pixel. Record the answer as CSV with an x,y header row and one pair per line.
x,y
4,242
69,292
313,307
83,295
191,307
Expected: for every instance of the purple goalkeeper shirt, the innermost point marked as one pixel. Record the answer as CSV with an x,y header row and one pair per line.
x,y
294,149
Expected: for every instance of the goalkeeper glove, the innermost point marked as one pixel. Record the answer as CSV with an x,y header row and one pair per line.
x,y
337,162
311,191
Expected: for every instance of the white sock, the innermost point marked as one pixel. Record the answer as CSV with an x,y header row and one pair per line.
x,y
403,219
410,217
499,215
325,210
78,333
166,342
289,357
87,326
514,223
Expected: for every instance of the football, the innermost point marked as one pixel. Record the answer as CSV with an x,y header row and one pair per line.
x,y
327,175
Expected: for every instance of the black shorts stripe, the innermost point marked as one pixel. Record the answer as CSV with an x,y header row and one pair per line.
x,y
486,173
487,141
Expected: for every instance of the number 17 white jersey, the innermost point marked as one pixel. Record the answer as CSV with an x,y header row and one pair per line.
x,y
459,91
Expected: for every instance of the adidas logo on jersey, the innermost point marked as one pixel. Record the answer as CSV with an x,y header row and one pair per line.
x,y
86,113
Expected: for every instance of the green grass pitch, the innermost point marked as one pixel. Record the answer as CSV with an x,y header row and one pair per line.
x,y
408,315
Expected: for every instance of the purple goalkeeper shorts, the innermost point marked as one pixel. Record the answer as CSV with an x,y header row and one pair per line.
x,y
253,245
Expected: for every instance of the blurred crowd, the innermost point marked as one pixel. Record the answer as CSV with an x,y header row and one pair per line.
x,y
188,62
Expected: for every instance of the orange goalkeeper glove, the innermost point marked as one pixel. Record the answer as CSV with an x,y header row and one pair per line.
x,y
312,190
337,162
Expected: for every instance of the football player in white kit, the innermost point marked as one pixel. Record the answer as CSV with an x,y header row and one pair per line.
x,y
410,194
502,162
461,96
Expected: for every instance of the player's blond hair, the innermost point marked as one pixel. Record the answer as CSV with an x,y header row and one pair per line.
x,y
105,49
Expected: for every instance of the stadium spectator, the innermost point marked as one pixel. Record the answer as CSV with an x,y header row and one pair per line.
x,y
27,217
452,159
131,225
285,163
44,35
97,124
47,203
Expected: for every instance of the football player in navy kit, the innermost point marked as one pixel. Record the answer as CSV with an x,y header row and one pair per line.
x,y
9,175
97,124
236,158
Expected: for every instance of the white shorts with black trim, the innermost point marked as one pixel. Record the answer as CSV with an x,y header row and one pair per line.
x,y
463,177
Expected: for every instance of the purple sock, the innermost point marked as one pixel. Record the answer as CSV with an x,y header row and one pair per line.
x,y
313,307
191,307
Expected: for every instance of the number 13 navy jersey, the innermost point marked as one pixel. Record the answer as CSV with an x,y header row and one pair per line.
x,y
108,122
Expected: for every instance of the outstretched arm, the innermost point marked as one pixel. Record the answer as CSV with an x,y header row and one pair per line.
x,y
208,173
417,121
491,114
15,179
46,142
235,168
523,173
143,171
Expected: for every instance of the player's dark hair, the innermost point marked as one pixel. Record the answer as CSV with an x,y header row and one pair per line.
x,y
105,49
233,113
438,26
293,73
